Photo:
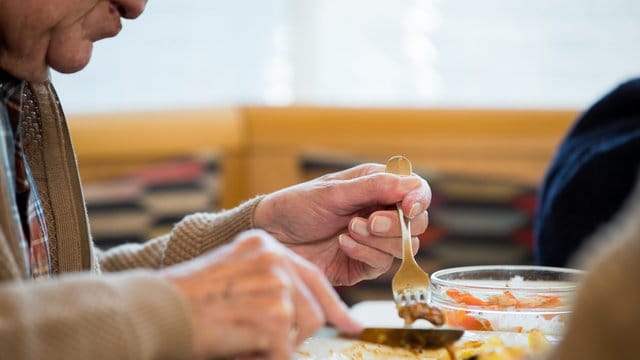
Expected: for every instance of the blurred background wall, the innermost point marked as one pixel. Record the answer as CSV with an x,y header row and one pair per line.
x,y
199,105
415,53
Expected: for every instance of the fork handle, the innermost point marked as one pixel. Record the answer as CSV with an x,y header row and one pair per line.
x,y
405,228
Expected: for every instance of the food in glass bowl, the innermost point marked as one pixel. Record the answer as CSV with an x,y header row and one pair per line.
x,y
505,298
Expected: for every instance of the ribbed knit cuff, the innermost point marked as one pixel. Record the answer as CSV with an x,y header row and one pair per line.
x,y
200,232
160,322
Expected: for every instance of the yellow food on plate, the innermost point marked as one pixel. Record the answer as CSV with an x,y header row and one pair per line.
x,y
491,347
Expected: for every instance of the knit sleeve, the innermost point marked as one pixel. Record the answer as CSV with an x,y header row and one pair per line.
x,y
133,315
194,235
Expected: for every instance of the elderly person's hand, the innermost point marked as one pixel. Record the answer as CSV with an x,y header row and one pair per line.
x,y
345,222
256,297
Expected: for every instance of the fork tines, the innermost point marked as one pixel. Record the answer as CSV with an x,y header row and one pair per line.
x,y
411,296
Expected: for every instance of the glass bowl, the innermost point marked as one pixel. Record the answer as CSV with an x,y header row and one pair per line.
x,y
505,298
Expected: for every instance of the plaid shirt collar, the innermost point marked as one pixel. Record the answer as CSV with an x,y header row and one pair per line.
x,y
10,89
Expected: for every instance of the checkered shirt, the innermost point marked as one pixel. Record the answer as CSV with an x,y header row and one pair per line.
x,y
27,208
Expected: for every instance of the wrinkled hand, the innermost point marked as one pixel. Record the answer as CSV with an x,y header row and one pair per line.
x,y
255,297
345,222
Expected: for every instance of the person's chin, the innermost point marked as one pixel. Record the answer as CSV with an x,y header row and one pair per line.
x,y
70,62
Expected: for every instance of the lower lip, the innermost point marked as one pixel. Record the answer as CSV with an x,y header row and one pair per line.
x,y
114,10
108,31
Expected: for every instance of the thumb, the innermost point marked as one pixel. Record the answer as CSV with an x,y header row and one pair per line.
x,y
378,189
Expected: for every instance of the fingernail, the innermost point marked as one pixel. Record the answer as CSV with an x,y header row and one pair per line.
x,y
409,183
415,210
359,227
380,224
346,241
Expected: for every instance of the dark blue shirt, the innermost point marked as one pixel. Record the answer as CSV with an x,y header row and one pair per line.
x,y
593,173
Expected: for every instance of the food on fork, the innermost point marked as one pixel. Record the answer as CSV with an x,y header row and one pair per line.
x,y
420,310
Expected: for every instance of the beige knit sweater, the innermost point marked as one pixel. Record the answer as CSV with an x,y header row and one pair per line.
x,y
96,306
606,317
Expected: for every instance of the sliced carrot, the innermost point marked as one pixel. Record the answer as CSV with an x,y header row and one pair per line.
x,y
539,301
551,300
505,300
508,294
465,297
462,319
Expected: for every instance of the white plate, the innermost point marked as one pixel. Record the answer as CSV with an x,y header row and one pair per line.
x,y
325,344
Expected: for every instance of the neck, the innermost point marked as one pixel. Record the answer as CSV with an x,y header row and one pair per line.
x,y
23,69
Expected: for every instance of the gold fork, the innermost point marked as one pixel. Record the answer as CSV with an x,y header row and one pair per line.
x,y
410,284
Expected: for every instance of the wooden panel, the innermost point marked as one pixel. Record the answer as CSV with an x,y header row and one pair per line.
x,y
261,147
234,179
271,171
155,134
110,145
287,126
514,144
